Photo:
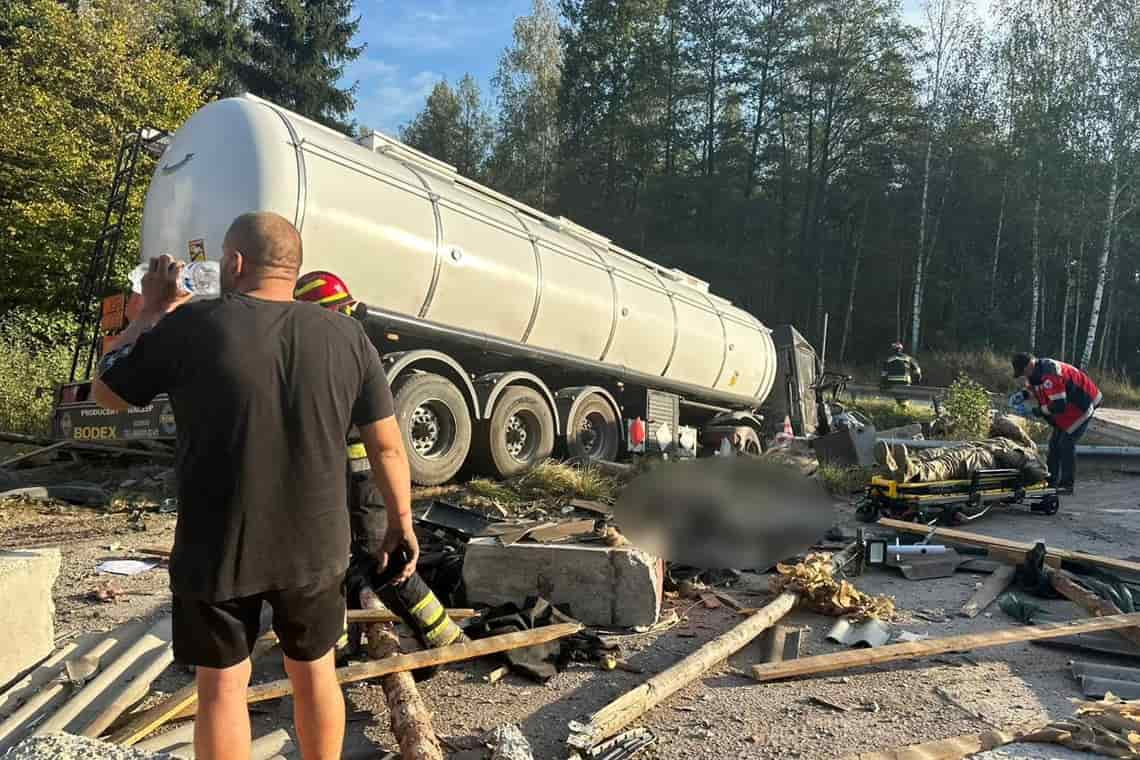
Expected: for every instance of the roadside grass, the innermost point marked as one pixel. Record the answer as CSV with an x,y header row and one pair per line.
x,y
886,414
992,371
843,480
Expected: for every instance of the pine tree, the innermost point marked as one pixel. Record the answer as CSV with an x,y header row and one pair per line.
x,y
298,55
215,36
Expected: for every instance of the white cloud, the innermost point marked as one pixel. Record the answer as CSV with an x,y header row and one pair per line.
x,y
388,97
424,26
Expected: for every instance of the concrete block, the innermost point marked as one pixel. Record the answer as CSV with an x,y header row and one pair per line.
x,y
602,586
28,623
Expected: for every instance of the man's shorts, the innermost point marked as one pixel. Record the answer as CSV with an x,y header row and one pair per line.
x,y
308,622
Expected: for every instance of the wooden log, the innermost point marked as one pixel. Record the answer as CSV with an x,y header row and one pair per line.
x,y
364,671
827,663
170,708
630,706
1069,587
409,717
153,640
1013,551
991,589
136,690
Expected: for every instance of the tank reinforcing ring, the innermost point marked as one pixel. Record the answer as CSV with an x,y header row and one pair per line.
x,y
433,428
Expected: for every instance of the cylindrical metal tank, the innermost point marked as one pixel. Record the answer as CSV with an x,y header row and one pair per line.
x,y
409,235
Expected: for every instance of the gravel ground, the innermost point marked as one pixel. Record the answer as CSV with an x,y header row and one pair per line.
x,y
67,747
724,714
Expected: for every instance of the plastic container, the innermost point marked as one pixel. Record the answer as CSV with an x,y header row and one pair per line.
x,y
201,279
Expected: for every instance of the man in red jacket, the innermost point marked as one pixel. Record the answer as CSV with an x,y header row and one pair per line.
x,y
1066,397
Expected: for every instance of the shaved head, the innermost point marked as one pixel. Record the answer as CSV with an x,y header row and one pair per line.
x,y
269,244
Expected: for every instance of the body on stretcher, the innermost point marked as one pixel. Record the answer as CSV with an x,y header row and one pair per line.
x,y
954,500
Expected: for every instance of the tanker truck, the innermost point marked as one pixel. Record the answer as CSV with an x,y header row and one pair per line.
x,y
507,334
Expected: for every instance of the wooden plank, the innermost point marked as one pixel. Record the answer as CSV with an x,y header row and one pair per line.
x,y
427,658
1014,549
991,589
384,616
955,747
1069,587
630,706
857,658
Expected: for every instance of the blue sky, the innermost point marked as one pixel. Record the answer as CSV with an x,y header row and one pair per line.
x,y
412,44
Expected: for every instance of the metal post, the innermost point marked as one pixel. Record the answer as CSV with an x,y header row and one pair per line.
x,y
823,350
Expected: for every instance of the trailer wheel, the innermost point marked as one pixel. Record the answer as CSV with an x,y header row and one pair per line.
x,y
593,433
436,424
520,433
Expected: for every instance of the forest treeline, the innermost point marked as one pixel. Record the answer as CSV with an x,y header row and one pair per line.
x,y
969,182
964,183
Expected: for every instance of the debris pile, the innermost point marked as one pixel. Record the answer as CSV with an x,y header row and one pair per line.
x,y
814,579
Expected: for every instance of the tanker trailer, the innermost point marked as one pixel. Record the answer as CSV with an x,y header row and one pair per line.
x,y
505,332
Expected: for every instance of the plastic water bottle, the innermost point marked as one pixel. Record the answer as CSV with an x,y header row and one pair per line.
x,y
201,279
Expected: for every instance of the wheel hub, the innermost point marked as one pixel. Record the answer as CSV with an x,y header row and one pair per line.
x,y
425,429
588,435
516,436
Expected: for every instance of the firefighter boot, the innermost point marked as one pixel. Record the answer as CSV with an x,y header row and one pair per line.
x,y
421,609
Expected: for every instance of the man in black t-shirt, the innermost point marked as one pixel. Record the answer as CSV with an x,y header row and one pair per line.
x,y
264,392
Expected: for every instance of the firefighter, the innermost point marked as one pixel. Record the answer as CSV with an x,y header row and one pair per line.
x,y
412,600
900,369
1065,397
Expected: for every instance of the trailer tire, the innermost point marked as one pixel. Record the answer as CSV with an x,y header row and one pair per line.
x,y
593,433
519,434
436,426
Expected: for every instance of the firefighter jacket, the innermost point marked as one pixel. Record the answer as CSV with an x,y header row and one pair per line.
x,y
901,369
1066,395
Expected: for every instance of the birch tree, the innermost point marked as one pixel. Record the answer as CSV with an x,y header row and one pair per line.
x,y
1116,42
945,20
528,80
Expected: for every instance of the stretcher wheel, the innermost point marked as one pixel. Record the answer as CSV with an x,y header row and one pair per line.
x,y
867,511
1048,505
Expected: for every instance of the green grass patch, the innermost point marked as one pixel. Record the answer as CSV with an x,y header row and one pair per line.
x,y
843,480
887,414
494,491
558,480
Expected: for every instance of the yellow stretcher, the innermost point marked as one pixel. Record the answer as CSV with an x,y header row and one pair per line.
x,y
954,500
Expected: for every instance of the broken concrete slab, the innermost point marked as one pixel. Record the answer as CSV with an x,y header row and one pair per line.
x,y
28,628
604,586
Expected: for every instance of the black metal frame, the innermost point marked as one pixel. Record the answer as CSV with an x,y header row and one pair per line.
x,y
101,268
